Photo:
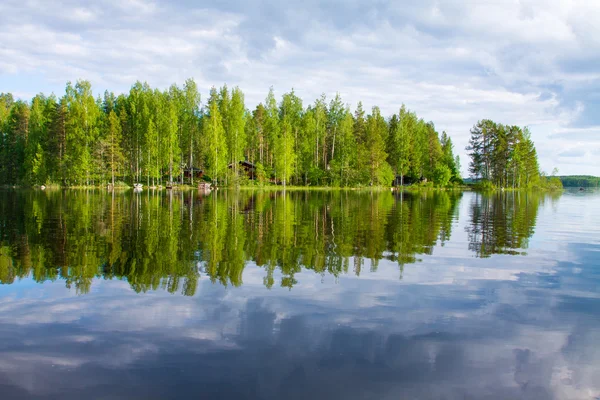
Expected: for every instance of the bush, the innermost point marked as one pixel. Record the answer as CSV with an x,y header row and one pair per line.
x,y
554,183
261,174
384,175
121,184
442,175
484,185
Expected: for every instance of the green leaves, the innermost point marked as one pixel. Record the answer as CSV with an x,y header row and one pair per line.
x,y
503,155
150,136
214,136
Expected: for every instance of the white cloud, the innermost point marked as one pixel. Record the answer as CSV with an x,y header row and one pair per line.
x,y
519,62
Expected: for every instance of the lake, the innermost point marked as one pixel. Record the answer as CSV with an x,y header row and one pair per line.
x,y
302,295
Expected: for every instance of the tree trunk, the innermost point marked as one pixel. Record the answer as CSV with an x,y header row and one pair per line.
x,y
191,166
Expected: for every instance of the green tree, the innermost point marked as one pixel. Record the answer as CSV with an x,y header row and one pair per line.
x,y
15,142
346,155
82,131
214,135
335,116
376,135
190,118
401,127
306,151
271,126
35,163
236,134
171,135
115,153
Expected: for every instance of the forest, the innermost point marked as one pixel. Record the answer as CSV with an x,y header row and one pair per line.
x,y
580,181
153,137
504,156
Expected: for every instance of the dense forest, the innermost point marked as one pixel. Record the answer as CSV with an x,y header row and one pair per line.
x,y
171,239
580,181
152,136
504,156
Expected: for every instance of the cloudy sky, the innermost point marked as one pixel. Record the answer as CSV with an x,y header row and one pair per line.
x,y
527,62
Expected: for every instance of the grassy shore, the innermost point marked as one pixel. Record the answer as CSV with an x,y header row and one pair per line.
x,y
270,187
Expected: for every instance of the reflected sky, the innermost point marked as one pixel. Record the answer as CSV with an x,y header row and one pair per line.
x,y
454,325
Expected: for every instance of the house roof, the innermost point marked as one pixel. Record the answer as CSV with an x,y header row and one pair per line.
x,y
243,163
247,164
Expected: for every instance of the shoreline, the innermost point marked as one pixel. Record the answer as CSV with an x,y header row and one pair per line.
x,y
275,188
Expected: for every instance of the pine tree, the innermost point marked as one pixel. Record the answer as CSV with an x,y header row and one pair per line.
x,y
15,142
115,153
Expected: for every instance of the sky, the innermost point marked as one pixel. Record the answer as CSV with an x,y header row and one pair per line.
x,y
531,63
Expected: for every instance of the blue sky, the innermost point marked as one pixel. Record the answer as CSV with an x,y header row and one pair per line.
x,y
528,62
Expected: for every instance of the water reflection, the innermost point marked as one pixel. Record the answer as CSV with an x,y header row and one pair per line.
x,y
502,223
169,240
456,326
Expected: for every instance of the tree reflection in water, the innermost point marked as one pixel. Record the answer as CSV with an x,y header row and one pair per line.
x,y
503,222
169,240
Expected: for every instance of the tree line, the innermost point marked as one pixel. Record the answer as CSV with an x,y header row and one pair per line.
x,y
580,181
504,156
152,136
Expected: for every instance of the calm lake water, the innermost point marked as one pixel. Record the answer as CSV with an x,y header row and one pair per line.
x,y
307,295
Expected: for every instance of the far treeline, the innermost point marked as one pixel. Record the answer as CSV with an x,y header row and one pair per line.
x,y
580,181
152,137
504,156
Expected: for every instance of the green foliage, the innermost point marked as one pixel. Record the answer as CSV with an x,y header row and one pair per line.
x,y
261,175
384,175
442,175
554,183
152,136
580,181
215,141
485,185
503,155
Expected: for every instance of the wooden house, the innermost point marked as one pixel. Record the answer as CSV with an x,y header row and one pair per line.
x,y
248,168
197,173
